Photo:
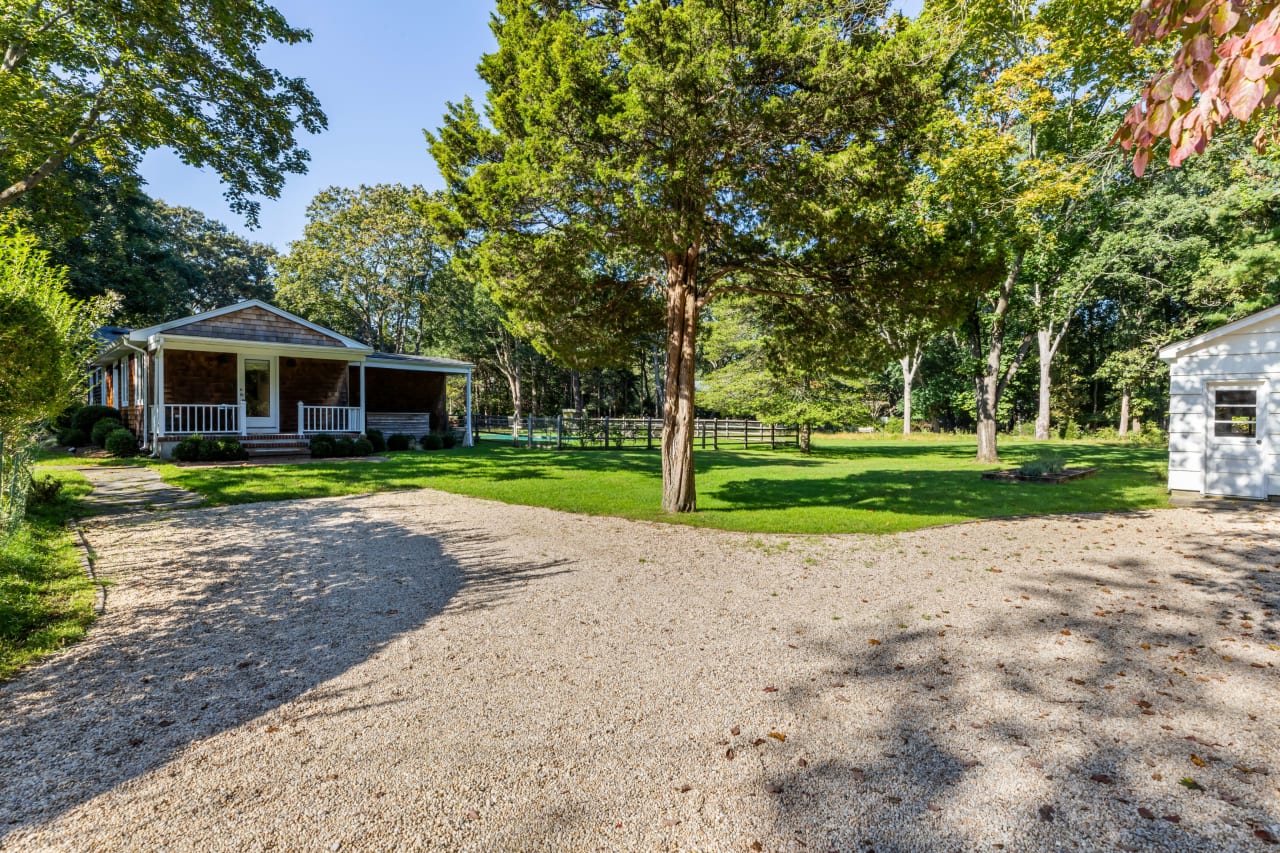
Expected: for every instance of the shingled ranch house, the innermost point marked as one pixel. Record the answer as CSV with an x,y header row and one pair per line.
x,y
272,379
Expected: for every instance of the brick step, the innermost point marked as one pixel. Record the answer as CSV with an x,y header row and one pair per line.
x,y
278,451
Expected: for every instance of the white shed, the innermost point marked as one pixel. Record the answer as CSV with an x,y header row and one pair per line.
x,y
1224,409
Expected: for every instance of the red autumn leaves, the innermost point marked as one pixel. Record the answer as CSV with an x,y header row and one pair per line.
x,y
1229,54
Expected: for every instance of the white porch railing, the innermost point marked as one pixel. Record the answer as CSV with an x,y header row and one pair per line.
x,y
189,418
314,419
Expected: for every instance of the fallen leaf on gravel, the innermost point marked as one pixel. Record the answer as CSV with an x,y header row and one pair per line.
x,y
1102,779
1190,784
735,731
1046,813
1065,632
773,788
756,845
1173,818
777,735
894,800
684,789
997,571
757,741
1197,760
1157,776
272,729
728,753
873,642
1266,835
670,822
1143,811
802,762
473,815
771,690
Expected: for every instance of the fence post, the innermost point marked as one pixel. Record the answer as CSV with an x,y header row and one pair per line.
x,y
531,429
606,432
715,433
746,435
560,431
648,433
773,436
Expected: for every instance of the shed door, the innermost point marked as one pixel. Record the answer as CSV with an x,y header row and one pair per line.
x,y
1234,461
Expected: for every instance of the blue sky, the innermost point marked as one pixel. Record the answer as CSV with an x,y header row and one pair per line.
x,y
383,70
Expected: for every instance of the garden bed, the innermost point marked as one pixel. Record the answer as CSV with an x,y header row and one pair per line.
x,y
1013,475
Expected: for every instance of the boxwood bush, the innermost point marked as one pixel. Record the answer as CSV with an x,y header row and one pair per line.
x,y
103,428
361,447
197,448
376,440
431,441
69,437
399,441
121,442
322,446
85,417
449,439
344,446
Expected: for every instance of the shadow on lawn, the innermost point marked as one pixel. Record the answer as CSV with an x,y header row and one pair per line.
x,y
937,492
270,604
1087,710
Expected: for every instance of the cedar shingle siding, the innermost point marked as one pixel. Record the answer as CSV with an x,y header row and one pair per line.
x,y
255,324
313,381
200,377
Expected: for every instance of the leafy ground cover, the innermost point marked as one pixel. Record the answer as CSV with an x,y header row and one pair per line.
x,y
46,601
844,486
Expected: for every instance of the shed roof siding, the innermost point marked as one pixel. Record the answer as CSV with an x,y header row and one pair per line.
x,y
256,324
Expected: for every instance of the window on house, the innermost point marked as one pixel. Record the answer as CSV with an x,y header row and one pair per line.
x,y
1235,413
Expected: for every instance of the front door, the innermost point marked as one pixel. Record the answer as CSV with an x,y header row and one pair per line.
x,y
1234,457
259,388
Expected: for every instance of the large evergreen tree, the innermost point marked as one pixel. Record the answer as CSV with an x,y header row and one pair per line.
x,y
633,152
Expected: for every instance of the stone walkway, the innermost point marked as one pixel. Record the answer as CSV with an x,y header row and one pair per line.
x,y
131,489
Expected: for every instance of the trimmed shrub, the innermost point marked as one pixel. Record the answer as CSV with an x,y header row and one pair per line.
x,y
64,420
103,428
399,441
85,417
188,450
449,439
322,446
229,450
121,442
1043,465
376,440
72,437
208,450
344,447
431,441
361,447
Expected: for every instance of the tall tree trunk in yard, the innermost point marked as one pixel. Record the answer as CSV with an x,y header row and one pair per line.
x,y
575,384
508,361
1044,338
1124,412
678,493
910,364
989,385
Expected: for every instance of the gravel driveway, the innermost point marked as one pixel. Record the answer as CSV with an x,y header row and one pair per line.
x,y
422,670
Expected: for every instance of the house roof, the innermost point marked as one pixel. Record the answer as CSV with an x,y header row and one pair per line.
x,y
392,359
1175,350
141,335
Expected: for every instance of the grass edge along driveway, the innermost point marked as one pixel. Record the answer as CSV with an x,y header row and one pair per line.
x,y
845,486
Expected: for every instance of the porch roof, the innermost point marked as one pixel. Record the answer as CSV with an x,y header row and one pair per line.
x,y
400,361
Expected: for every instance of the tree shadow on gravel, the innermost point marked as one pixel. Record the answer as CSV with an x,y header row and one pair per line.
x,y
273,601
1072,730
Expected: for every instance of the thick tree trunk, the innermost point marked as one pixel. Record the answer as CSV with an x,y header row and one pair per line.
x,y
806,438
514,383
1124,412
678,493
1045,339
575,386
989,385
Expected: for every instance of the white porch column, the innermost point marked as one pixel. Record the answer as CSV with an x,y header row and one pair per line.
x,y
160,413
467,440
300,429
242,416
364,396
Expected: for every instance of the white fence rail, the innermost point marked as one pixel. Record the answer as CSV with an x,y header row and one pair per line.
x,y
315,419
202,418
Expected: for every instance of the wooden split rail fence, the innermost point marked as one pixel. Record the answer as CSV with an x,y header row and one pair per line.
x,y
634,433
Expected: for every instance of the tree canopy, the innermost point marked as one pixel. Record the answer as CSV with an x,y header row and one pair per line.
x,y
112,79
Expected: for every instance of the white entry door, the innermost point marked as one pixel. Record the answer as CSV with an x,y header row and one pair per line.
x,y
1235,454
260,391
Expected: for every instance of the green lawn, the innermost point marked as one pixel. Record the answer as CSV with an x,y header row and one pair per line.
x,y
46,601
844,486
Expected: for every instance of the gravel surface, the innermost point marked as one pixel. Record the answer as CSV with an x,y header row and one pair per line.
x,y
421,670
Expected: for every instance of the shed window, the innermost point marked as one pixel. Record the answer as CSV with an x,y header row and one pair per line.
x,y
1235,413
